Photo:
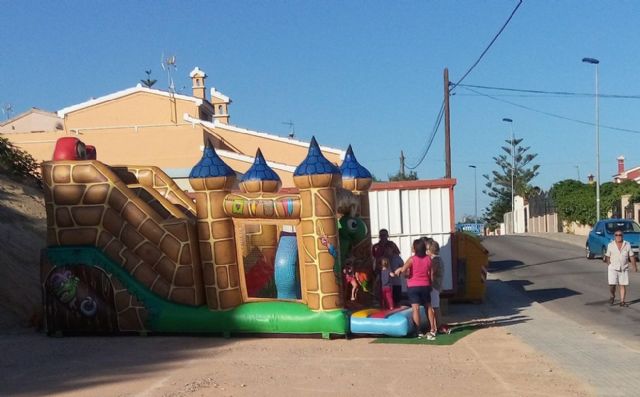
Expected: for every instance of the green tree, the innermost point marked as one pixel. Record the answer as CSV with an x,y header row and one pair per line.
x,y
400,176
576,201
498,185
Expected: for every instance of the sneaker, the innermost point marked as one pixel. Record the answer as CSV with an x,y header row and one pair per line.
x,y
431,336
421,335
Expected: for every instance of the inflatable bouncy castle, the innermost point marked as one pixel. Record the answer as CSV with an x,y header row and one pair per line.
x,y
128,251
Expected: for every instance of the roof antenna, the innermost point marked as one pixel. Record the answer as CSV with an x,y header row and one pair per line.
x,y
292,128
7,109
169,65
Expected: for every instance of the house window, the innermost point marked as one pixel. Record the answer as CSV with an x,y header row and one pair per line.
x,y
220,111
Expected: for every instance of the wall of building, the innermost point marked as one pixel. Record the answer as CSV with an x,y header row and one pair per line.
x,y
273,149
32,122
576,228
140,108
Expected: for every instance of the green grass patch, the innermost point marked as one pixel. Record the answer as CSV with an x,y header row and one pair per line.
x,y
456,334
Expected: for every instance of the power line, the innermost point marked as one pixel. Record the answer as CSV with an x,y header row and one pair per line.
x,y
441,112
433,135
489,46
551,114
516,95
559,93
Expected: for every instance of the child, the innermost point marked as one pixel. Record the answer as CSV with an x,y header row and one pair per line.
x,y
386,277
436,285
350,278
395,262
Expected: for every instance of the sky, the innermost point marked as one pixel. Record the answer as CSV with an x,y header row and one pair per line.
x,y
366,73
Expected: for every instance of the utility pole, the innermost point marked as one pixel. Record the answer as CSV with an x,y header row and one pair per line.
x,y
447,126
402,164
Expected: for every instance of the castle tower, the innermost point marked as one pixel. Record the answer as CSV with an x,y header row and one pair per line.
x,y
197,77
260,177
358,179
212,179
317,179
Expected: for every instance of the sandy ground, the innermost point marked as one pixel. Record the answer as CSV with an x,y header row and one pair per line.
x,y
490,361
23,227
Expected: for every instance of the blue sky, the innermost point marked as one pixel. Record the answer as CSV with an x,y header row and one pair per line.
x,y
367,73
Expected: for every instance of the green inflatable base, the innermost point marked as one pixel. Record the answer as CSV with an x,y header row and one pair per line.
x,y
272,317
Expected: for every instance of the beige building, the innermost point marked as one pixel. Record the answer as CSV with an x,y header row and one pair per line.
x,y
146,126
33,120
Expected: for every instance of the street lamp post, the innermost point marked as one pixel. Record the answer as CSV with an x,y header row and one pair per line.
x,y
475,190
596,62
513,170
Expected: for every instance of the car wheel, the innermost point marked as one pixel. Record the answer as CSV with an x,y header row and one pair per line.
x,y
604,252
589,253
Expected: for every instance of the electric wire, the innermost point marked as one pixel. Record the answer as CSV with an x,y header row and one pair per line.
x,y
551,114
488,47
441,112
558,93
431,138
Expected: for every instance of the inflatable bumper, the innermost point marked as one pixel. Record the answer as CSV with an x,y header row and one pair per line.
x,y
395,322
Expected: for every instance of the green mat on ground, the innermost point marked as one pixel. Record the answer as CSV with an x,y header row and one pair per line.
x,y
456,334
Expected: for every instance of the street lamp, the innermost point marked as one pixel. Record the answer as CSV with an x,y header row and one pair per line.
x,y
513,169
475,189
594,61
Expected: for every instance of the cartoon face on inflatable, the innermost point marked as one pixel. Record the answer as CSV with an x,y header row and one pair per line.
x,y
351,230
70,148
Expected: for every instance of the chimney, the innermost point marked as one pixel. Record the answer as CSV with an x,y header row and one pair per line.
x,y
198,77
620,164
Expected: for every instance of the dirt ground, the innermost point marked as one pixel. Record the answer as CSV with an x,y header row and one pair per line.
x,y
23,226
490,361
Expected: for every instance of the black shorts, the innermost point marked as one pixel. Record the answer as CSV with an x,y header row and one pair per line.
x,y
419,295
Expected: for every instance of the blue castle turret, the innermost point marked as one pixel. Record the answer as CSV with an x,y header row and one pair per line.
x,y
210,165
315,163
351,168
260,177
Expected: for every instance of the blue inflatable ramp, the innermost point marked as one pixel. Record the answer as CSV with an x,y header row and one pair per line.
x,y
395,322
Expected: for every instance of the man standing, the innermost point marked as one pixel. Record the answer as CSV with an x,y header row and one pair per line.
x,y
379,248
617,257
386,248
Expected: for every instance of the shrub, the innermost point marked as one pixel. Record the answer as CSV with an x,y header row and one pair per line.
x,y
17,163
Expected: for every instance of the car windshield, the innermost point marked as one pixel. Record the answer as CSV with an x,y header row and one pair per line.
x,y
626,227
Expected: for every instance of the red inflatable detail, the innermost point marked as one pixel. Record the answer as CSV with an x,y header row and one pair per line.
x,y
69,148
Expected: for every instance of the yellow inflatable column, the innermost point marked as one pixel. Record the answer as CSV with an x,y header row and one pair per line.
x,y
317,179
212,180
357,179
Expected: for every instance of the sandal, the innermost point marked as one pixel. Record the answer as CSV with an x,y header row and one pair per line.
x,y
613,298
624,304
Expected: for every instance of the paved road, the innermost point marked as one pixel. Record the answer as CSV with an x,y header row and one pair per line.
x,y
558,276
559,300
